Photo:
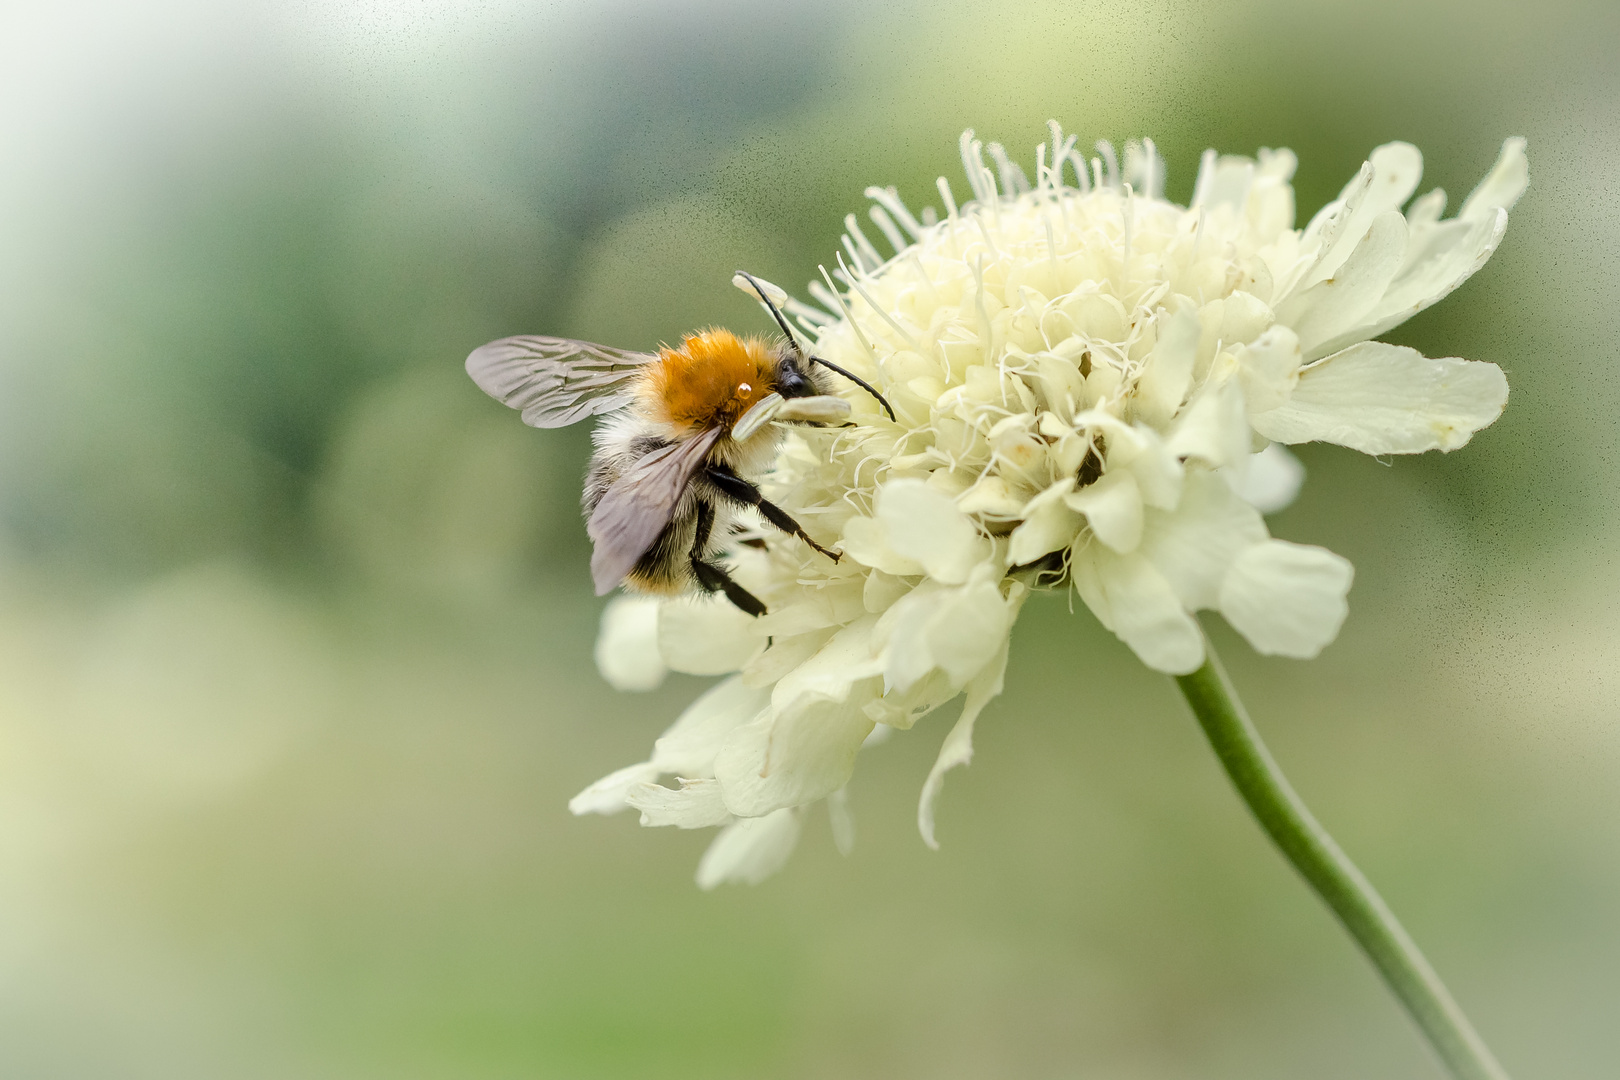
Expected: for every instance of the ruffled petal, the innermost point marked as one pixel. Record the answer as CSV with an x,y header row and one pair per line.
x,y
1268,368
1133,599
958,746
689,747
1213,427
1192,546
1049,525
696,804
1113,509
951,630
750,850
804,746
1502,186
783,760
1270,480
1388,399
606,796
925,526
1339,303
705,635
1287,599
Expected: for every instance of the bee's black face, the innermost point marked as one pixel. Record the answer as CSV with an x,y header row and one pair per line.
x,y
792,380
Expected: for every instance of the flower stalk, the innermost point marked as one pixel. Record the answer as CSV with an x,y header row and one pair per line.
x,y
1326,868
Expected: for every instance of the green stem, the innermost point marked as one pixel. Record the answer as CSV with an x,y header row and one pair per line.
x,y
1334,877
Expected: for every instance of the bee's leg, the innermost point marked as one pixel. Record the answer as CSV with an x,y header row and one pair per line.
x,y
733,486
714,578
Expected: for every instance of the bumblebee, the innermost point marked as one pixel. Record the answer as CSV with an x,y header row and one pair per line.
x,y
688,428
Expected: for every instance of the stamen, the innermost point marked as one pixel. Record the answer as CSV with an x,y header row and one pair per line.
x,y
944,187
985,232
862,243
805,313
1127,214
885,314
849,316
1013,180
890,231
1206,177
849,249
823,296
973,165
1151,180
889,199
1082,176
1106,149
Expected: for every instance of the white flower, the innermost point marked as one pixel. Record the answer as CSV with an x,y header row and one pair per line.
x,y
1089,383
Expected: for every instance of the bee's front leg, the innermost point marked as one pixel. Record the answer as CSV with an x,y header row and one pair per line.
x,y
735,487
713,577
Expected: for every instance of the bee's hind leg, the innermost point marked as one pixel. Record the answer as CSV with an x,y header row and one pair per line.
x,y
733,486
714,578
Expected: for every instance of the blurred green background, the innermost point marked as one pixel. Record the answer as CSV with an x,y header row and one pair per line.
x,y
295,625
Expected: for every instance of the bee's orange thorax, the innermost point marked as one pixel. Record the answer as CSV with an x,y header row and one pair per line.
x,y
709,381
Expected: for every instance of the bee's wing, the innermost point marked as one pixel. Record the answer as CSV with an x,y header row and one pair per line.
x,y
639,504
555,381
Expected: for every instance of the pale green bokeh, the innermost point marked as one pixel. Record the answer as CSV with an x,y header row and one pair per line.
x,y
296,626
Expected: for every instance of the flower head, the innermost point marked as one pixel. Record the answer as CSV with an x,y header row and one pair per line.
x,y
1089,383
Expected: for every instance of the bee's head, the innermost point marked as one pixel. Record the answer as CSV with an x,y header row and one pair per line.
x,y
801,378
794,378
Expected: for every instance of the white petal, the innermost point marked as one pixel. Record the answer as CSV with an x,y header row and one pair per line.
x,y
1503,185
1385,182
696,804
1426,209
1049,525
627,646
791,759
1163,385
952,630
1193,546
1438,259
606,796
867,542
689,747
1270,480
705,635
1133,600
1287,599
958,746
1113,507
1387,399
1213,427
924,525
846,658
804,746
1268,368
749,851
1339,303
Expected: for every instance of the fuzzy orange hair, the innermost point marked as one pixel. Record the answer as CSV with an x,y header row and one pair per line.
x,y
708,382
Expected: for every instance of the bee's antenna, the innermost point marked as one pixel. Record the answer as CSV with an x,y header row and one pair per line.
x,y
765,298
857,380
